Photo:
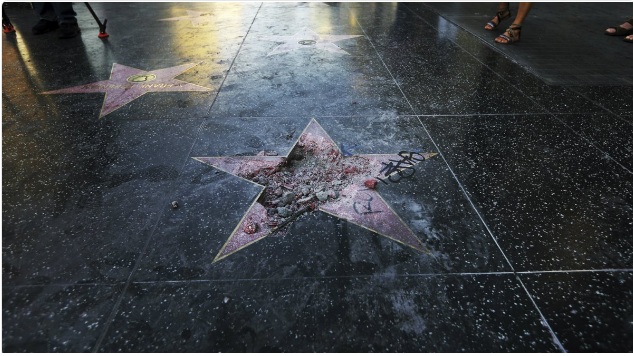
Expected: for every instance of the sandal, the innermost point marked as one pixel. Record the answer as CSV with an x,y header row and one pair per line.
x,y
628,38
512,35
492,25
619,30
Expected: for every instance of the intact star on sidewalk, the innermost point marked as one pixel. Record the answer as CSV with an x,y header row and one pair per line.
x,y
306,38
303,181
127,83
196,17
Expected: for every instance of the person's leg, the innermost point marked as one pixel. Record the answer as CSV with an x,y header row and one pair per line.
x,y
628,38
65,12
503,12
513,33
67,19
48,18
524,9
45,11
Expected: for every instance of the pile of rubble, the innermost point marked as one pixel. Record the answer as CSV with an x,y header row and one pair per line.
x,y
314,173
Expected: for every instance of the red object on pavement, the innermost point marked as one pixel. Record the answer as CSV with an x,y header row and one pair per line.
x,y
371,183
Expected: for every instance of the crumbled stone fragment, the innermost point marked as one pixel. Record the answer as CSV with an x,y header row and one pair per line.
x,y
284,212
250,228
306,199
322,196
287,198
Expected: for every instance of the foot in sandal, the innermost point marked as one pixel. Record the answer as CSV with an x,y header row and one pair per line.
x,y
500,16
624,29
512,35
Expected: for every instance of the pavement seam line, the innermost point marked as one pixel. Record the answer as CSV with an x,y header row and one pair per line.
x,y
543,319
459,183
547,111
115,308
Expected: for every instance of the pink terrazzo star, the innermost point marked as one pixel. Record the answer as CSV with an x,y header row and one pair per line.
x,y
316,159
127,83
306,38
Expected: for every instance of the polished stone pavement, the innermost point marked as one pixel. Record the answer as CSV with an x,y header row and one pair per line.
x,y
524,217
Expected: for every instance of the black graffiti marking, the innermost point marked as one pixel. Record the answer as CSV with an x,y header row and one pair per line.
x,y
410,157
365,206
395,170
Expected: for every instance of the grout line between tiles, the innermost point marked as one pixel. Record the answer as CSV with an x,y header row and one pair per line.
x,y
63,285
459,183
119,300
413,275
598,104
543,319
604,270
377,276
579,134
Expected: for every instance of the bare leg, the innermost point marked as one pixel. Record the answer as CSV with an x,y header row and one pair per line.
x,y
503,6
524,9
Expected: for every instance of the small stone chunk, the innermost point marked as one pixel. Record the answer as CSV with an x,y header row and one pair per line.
x,y
371,183
174,204
284,212
306,199
250,228
322,196
287,197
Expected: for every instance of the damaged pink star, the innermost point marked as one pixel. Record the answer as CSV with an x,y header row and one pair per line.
x,y
127,83
316,176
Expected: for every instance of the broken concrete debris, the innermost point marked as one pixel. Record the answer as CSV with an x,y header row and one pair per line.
x,y
313,173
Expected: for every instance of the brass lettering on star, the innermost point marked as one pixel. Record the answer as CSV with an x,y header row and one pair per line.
x,y
158,85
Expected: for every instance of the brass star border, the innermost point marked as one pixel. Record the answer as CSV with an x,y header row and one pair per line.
x,y
356,202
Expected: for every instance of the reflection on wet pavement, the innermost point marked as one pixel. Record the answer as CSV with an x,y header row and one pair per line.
x,y
313,177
